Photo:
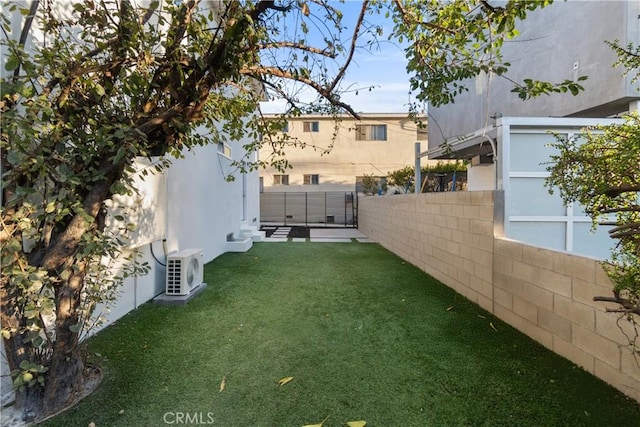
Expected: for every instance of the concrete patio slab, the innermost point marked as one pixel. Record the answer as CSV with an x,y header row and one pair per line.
x,y
165,299
336,233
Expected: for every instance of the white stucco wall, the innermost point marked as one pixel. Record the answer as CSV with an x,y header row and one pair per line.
x,y
190,205
202,206
481,178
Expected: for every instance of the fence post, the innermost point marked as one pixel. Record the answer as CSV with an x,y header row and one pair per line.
x,y
345,209
354,208
418,178
285,208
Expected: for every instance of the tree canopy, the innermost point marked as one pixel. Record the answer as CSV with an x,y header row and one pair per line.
x,y
90,86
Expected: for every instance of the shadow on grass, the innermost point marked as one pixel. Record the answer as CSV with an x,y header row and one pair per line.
x,y
365,336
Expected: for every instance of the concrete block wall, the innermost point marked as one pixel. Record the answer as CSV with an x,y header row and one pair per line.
x,y
548,295
448,235
545,294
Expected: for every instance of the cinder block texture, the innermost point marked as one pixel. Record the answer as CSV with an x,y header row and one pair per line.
x,y
545,294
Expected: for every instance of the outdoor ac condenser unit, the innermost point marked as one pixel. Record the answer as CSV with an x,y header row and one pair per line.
x,y
184,271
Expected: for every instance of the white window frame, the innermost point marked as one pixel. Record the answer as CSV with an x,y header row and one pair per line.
x,y
224,150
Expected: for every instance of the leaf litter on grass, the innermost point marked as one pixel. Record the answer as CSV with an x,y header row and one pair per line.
x,y
284,381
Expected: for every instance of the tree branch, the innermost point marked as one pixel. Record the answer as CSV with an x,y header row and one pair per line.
x,y
258,71
323,52
265,5
352,49
281,92
177,29
33,9
632,229
634,208
68,242
621,189
629,307
153,123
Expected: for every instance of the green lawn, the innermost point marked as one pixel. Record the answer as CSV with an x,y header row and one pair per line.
x,y
365,336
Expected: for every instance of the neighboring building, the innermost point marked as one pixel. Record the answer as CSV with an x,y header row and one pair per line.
x,y
374,145
507,139
562,41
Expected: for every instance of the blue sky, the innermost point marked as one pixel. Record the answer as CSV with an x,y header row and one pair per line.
x,y
383,68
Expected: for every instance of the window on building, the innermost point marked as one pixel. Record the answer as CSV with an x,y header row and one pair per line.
x,y
371,132
224,149
311,126
280,179
313,179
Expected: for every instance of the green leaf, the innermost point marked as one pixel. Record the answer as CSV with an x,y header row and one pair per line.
x,y
119,155
17,382
99,90
12,63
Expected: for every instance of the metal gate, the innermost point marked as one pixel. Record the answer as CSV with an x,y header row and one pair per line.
x,y
310,208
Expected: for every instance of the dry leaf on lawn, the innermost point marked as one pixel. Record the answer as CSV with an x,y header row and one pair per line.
x,y
223,384
357,423
285,380
317,425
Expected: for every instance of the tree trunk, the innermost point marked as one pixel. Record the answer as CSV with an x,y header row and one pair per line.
x,y
16,350
29,401
65,378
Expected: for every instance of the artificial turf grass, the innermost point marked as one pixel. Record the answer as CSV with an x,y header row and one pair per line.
x,y
365,335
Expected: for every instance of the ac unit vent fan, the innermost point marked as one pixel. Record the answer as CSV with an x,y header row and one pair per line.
x,y
184,271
